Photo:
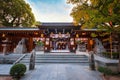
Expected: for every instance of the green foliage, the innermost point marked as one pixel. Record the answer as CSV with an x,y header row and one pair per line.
x,y
108,55
105,70
15,13
99,14
40,43
93,35
17,70
96,13
104,34
37,23
76,1
78,42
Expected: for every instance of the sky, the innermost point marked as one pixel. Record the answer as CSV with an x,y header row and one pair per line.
x,y
51,10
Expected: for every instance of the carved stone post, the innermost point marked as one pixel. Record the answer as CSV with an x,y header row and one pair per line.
x,y
32,61
92,61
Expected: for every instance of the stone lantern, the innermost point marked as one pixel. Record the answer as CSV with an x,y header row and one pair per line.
x,y
5,44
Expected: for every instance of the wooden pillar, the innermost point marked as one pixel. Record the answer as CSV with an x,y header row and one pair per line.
x,y
30,44
88,45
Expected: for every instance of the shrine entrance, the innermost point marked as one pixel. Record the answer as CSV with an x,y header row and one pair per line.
x,y
59,42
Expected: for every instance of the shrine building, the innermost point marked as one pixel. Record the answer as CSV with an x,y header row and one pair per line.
x,y
50,37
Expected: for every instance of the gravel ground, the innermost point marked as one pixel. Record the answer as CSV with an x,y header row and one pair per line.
x,y
111,78
6,78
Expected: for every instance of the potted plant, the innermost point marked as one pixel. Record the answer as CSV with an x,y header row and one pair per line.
x,y
40,43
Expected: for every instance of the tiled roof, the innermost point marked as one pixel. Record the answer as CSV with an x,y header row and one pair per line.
x,y
19,29
57,24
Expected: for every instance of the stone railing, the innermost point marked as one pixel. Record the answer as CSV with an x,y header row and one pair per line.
x,y
17,61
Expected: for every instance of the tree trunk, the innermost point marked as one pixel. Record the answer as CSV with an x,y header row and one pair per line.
x,y
119,53
117,38
111,56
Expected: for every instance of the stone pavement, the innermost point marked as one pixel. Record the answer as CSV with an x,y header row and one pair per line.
x,y
62,72
56,72
5,68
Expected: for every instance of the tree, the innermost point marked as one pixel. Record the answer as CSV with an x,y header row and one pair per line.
x,y
37,23
15,13
102,14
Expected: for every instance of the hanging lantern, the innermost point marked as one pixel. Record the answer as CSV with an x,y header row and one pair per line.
x,y
3,35
83,33
42,35
91,42
36,33
77,35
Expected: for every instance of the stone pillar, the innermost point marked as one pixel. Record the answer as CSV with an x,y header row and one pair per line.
x,y
32,61
4,49
92,61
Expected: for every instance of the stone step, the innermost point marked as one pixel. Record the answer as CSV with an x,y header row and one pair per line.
x,y
61,57
28,55
26,60
57,61
83,64
56,58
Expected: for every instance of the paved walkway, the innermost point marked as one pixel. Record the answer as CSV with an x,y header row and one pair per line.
x,y
5,68
61,72
57,72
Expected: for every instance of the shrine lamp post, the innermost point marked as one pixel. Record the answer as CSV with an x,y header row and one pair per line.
x,y
92,61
